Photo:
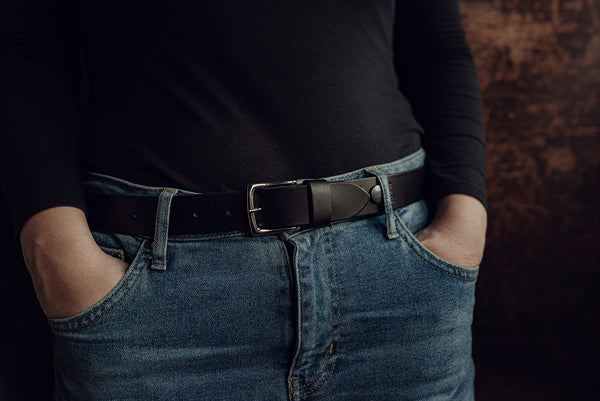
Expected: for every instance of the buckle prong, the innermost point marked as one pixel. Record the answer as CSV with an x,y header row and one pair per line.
x,y
252,209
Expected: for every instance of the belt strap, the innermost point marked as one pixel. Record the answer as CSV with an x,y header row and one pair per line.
x,y
263,208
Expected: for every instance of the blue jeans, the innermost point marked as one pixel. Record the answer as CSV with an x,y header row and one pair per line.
x,y
358,310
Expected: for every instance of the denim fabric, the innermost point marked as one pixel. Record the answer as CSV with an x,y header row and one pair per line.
x,y
357,310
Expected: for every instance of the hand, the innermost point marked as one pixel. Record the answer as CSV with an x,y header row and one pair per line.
x,y
70,272
457,233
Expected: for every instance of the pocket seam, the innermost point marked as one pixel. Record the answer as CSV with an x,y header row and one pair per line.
x,y
133,268
408,239
102,304
114,252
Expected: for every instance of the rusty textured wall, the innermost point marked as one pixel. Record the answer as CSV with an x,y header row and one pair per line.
x,y
537,325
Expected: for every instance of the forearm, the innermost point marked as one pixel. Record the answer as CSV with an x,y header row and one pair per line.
x,y
57,231
436,73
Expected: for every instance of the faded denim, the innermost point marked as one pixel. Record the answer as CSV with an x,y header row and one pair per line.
x,y
358,310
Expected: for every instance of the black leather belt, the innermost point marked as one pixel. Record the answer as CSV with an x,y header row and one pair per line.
x,y
263,209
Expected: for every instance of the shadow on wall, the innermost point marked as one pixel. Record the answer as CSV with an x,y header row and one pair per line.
x,y
536,322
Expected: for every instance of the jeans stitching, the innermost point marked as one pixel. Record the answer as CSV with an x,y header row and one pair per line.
x,y
340,330
412,248
391,231
165,222
337,291
109,309
157,219
349,175
332,326
115,253
206,236
126,277
290,386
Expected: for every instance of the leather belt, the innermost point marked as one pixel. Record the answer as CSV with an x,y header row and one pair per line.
x,y
263,209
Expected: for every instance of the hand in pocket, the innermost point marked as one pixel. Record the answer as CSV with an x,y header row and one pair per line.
x,y
66,288
70,272
457,233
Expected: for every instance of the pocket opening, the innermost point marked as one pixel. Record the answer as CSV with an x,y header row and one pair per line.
x,y
418,211
102,307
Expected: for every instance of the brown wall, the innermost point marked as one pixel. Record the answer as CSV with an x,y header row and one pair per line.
x,y
537,325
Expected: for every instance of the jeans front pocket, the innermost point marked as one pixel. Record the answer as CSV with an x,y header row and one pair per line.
x,y
412,218
138,257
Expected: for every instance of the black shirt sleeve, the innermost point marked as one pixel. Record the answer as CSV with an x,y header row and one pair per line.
x,y
436,73
39,79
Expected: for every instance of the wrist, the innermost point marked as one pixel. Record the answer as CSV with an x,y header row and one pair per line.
x,y
463,216
457,232
463,208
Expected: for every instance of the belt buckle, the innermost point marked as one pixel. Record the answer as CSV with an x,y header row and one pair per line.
x,y
251,208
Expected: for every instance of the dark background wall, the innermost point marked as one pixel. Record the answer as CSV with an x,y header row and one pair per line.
x,y
537,325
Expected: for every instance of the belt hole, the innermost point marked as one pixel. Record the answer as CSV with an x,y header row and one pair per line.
x,y
228,212
134,215
195,214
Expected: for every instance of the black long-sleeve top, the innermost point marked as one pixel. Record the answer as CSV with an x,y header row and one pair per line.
x,y
211,95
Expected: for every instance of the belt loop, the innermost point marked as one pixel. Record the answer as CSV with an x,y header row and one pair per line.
x,y
161,229
392,232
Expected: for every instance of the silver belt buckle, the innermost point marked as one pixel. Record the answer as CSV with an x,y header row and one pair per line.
x,y
252,209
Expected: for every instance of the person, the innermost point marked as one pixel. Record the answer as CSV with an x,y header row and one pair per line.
x,y
247,200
